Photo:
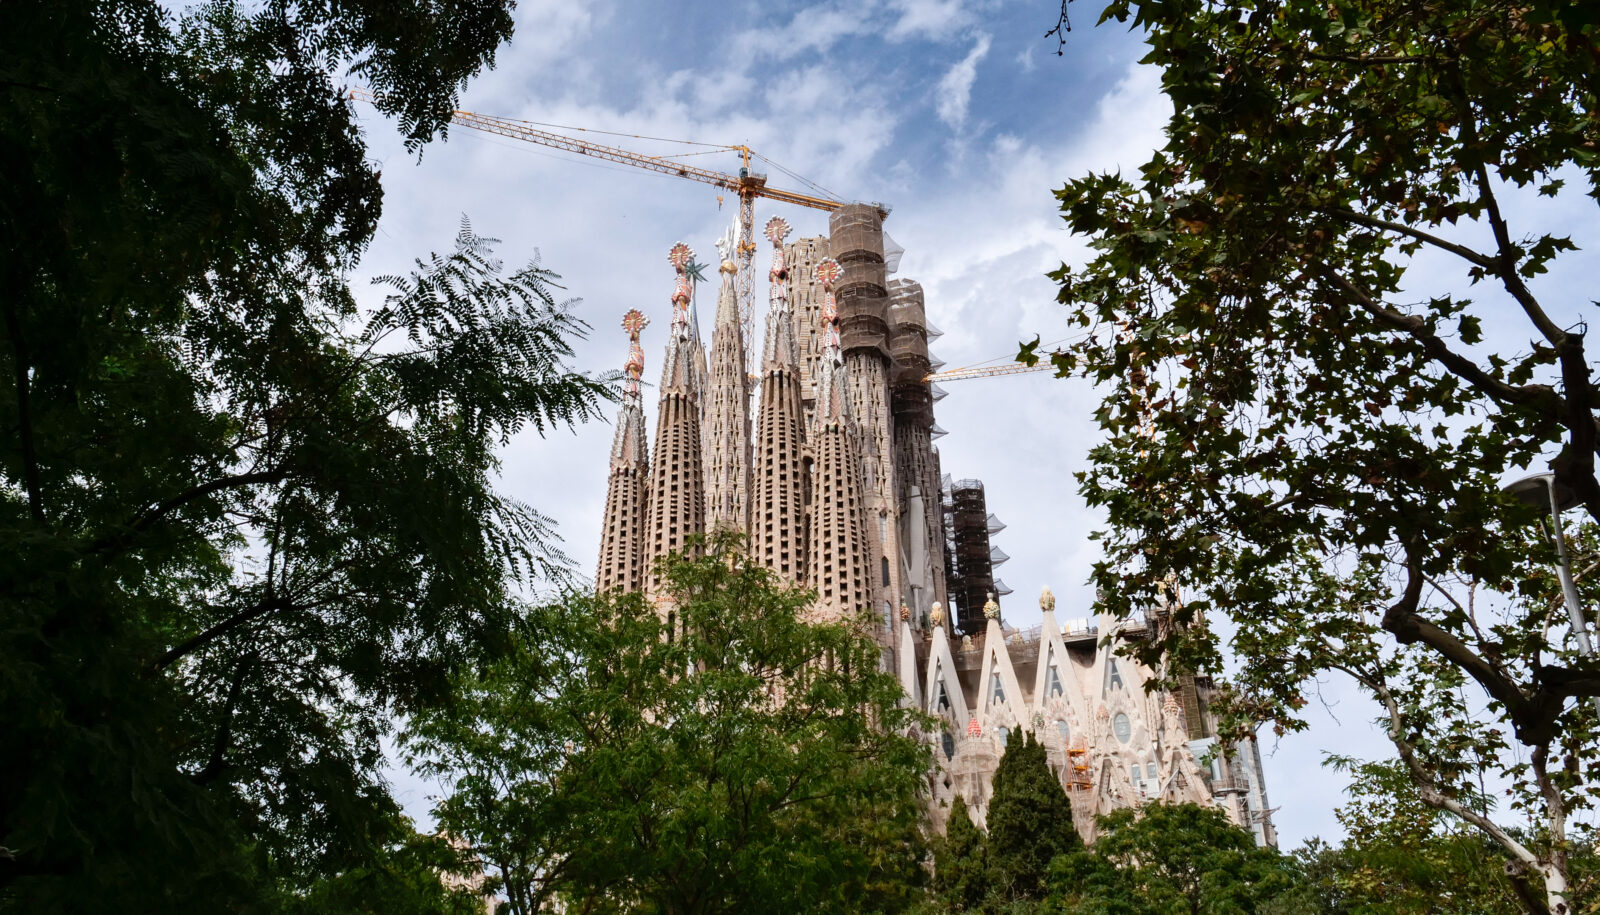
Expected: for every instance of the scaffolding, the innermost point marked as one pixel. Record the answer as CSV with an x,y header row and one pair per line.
x,y
971,573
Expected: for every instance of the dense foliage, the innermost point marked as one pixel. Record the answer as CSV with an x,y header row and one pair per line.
x,y
727,756
1177,858
242,525
1029,825
1313,307
1030,821
961,863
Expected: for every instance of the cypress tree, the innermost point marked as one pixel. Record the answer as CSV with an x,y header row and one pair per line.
x,y
960,876
1030,822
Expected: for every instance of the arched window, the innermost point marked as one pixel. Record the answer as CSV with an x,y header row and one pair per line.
x,y
1122,727
1063,730
1005,735
1113,676
949,743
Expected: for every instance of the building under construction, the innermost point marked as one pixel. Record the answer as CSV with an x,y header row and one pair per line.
x,y
835,479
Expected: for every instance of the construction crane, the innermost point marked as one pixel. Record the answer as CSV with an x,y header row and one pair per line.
x,y
748,185
986,371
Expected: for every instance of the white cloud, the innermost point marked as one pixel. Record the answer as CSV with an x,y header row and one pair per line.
x,y
929,19
813,30
954,92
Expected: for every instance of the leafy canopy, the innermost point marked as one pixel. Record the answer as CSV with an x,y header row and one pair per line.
x,y
1334,311
724,756
1170,858
242,525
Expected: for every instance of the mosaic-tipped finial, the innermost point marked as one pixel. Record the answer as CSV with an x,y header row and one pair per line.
x,y
991,610
1047,601
680,255
936,614
828,272
777,230
634,322
974,729
905,612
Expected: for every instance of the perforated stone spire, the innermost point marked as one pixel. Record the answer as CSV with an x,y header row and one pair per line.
x,y
677,494
778,519
838,565
727,410
622,535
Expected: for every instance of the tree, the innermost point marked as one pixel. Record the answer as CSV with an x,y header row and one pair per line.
x,y
726,756
961,871
405,876
1311,419
1030,821
1170,858
1406,856
242,525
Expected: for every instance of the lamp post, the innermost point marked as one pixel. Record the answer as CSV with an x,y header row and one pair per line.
x,y
1539,490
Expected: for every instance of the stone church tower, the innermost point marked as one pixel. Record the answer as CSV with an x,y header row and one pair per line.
x,y
623,534
779,519
855,234
677,494
839,555
727,409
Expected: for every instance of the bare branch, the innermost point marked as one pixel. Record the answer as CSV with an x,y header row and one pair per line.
x,y
259,609
1532,717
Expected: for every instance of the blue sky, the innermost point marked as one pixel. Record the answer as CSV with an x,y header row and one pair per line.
x,y
958,114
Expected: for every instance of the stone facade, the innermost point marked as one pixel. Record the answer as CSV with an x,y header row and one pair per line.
x,y
841,480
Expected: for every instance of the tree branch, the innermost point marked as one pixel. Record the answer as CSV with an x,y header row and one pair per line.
x,y
1427,789
219,750
1537,396
259,609
150,517
1532,718
1473,257
1370,61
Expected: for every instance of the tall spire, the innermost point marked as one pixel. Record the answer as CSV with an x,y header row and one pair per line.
x,y
677,496
622,537
838,566
856,240
778,515
727,408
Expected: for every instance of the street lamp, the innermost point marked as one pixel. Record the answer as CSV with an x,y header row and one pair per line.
x,y
1540,490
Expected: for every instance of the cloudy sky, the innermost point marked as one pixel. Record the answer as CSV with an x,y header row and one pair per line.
x,y
957,113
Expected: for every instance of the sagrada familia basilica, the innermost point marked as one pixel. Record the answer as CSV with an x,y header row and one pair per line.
x,y
836,483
